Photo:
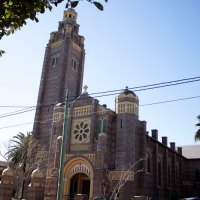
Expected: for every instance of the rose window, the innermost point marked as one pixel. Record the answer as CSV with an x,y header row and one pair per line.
x,y
81,131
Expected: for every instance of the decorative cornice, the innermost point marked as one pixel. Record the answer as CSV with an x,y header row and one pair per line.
x,y
79,147
56,44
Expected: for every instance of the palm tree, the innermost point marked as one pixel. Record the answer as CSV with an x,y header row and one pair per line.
x,y
17,156
17,153
197,135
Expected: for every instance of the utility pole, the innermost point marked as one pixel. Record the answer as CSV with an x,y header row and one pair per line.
x,y
63,148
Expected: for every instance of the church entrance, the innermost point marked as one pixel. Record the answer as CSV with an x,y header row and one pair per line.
x,y
78,179
80,184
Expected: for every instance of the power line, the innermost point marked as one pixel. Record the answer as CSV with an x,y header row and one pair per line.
x,y
198,77
144,86
96,112
27,123
149,104
147,87
39,105
11,114
17,111
28,109
16,125
15,106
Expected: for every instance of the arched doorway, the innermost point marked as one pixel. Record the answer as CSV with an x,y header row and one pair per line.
x,y
78,178
80,184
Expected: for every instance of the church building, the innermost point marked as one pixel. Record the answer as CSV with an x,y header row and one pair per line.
x,y
104,147
101,144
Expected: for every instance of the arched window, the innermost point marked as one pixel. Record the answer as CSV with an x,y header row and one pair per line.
x,y
55,62
148,163
159,172
121,123
73,63
169,176
102,125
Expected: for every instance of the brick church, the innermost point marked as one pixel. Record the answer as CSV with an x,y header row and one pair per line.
x,y
103,146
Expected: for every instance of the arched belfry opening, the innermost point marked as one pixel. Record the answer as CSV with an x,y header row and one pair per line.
x,y
78,178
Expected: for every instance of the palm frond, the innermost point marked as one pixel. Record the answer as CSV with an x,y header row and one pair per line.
x,y
198,124
17,153
197,136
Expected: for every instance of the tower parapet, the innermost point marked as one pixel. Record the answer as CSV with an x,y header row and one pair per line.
x,y
70,14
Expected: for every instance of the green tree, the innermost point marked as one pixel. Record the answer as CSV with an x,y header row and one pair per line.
x,y
17,157
18,151
14,13
1,52
197,135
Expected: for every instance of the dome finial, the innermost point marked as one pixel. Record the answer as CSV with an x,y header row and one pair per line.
x,y
85,89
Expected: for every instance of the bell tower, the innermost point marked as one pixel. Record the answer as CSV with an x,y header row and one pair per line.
x,y
62,69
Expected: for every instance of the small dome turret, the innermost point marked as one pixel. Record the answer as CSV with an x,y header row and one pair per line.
x,y
59,110
59,105
127,102
37,174
8,172
59,138
126,93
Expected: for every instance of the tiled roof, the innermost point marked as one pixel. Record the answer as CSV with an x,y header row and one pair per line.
x,y
191,151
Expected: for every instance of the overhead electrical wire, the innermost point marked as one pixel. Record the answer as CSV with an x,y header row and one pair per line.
x,y
18,110
161,102
26,110
146,87
150,88
198,77
96,112
16,125
30,108
26,124
15,106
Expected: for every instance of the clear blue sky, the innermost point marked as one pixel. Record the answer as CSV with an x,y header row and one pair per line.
x,y
131,43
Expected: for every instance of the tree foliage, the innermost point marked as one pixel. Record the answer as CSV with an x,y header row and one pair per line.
x,y
17,154
24,155
112,184
16,157
197,135
14,13
1,52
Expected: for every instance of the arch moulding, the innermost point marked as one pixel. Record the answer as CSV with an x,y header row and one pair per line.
x,y
75,166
